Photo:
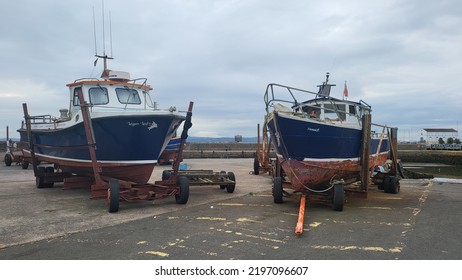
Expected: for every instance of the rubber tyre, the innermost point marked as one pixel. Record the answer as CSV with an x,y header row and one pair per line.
x,y
339,197
230,188
277,190
391,185
183,196
39,179
401,169
256,166
113,196
24,164
8,160
381,186
49,169
166,174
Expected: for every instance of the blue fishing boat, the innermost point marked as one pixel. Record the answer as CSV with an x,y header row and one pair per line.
x,y
318,141
130,131
170,152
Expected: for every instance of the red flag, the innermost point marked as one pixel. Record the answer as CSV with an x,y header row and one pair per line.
x,y
345,90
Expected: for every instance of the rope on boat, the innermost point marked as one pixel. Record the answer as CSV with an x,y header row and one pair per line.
x,y
332,182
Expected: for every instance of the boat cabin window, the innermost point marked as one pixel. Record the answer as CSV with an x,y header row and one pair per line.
x,y
312,110
352,110
331,113
128,96
75,98
98,96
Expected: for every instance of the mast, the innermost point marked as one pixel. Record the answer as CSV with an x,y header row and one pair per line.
x,y
324,89
104,56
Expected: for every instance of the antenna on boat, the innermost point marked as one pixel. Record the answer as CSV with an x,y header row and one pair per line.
x,y
324,89
104,56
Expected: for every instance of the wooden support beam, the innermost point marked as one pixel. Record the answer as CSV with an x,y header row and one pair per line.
x,y
365,152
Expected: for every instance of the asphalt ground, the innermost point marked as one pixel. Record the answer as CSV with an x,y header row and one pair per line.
x,y
422,222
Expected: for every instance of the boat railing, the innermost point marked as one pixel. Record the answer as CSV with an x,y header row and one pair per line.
x,y
272,96
86,79
42,119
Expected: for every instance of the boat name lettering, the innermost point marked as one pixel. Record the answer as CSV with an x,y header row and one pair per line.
x,y
313,129
150,125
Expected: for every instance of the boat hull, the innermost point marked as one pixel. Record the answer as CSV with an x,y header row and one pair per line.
x,y
127,146
314,154
170,152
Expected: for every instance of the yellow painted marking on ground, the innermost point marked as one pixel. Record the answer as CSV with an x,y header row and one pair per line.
x,y
243,220
211,218
228,245
157,253
264,238
241,204
315,224
141,242
252,236
390,198
176,243
376,249
231,204
422,199
378,208
346,248
173,218
290,214
396,250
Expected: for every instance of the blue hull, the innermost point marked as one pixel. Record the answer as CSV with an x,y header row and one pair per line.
x,y
173,144
312,154
119,139
301,140
171,151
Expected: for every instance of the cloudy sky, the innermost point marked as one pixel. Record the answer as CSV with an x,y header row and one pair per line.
x,y
403,57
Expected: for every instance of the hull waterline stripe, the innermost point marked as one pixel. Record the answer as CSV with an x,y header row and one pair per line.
x,y
101,161
332,159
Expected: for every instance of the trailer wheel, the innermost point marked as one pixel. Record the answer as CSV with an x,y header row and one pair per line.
x,y
222,187
339,197
230,188
277,189
401,169
113,196
256,166
183,196
166,175
24,163
8,160
381,186
391,184
39,179
49,169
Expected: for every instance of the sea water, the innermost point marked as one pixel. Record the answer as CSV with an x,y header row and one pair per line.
x,y
437,170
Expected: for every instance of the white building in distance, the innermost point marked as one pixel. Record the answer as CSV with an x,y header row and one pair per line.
x,y
434,134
